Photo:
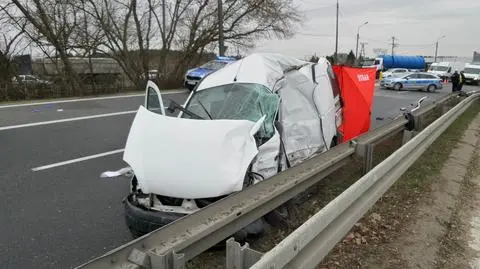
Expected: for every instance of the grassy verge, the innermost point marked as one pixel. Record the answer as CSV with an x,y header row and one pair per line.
x,y
454,251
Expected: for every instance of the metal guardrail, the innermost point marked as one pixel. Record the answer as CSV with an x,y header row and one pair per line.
x,y
203,229
310,243
173,245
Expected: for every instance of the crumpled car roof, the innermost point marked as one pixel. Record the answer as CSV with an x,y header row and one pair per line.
x,y
261,68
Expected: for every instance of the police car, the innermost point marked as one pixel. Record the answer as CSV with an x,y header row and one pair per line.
x,y
193,76
416,81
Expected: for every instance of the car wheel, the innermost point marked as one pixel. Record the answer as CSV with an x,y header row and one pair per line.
x,y
278,217
431,88
397,86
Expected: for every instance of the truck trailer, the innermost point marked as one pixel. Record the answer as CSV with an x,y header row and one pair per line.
x,y
385,62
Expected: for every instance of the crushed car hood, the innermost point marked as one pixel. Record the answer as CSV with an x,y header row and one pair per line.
x,y
186,158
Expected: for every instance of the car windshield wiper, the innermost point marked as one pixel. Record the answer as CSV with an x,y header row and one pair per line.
x,y
173,105
204,109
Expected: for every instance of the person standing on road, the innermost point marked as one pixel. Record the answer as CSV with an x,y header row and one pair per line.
x,y
462,80
455,81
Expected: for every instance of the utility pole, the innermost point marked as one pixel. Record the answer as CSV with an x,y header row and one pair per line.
x,y
436,48
362,50
358,37
394,45
336,39
221,46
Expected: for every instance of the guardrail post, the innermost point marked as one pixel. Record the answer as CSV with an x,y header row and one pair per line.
x,y
407,135
239,257
170,260
418,122
365,151
368,162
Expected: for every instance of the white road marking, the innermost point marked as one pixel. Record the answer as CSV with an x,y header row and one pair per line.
x,y
40,168
88,99
66,120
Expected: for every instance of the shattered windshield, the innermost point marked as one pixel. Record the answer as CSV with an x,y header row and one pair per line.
x,y
238,101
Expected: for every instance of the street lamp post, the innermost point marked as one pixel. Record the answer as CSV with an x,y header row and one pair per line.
x,y
358,37
436,48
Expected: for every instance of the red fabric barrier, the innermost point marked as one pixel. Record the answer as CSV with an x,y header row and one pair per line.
x,y
357,86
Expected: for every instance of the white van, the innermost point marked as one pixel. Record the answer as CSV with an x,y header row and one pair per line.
x,y
242,124
472,73
441,69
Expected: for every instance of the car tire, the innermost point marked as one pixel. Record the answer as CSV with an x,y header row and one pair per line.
x,y
431,88
397,86
278,217
140,221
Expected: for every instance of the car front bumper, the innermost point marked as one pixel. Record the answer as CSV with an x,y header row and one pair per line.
x,y
386,84
141,221
190,82
471,81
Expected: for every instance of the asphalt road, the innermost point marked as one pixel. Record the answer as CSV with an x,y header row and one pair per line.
x,y
62,216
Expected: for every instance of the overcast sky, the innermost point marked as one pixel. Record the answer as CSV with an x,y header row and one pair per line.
x,y
417,24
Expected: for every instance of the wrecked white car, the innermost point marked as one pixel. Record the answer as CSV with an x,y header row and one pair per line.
x,y
242,124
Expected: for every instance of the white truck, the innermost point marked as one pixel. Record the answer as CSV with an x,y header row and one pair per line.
x,y
472,73
441,69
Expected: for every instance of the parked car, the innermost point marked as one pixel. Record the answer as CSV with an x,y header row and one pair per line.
x,y
472,73
30,80
193,76
418,81
152,74
394,71
242,124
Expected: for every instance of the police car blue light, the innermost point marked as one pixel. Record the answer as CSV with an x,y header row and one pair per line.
x,y
193,76
418,81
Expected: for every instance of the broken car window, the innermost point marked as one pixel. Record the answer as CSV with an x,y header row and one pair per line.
x,y
238,101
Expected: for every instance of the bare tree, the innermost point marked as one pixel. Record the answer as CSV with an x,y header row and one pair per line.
x,y
11,42
126,27
245,21
51,23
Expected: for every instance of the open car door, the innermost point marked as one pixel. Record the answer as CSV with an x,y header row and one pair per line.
x,y
153,98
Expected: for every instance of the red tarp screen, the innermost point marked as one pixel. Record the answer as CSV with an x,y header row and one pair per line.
x,y
356,88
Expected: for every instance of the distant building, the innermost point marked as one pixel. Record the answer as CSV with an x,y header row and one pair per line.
x,y
476,57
